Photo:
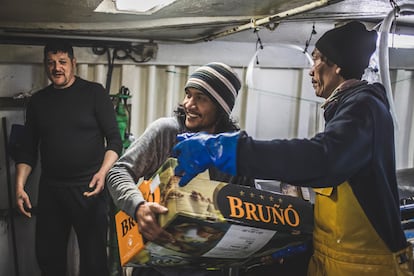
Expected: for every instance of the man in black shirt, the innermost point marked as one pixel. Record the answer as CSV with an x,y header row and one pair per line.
x,y
72,123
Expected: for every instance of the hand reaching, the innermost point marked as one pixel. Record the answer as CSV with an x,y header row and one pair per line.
x,y
199,151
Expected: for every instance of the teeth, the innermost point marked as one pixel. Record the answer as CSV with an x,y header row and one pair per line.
x,y
192,115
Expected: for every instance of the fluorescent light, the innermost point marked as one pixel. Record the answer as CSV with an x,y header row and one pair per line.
x,y
142,6
400,41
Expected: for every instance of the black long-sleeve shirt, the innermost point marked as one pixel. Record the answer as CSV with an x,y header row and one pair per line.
x,y
73,127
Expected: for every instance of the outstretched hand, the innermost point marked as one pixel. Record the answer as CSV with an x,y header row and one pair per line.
x,y
192,157
199,151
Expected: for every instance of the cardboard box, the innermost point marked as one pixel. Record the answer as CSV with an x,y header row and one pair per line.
x,y
215,223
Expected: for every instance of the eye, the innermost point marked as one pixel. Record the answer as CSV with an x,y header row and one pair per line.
x,y
201,98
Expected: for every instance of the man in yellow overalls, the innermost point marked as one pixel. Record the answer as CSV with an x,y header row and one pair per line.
x,y
351,164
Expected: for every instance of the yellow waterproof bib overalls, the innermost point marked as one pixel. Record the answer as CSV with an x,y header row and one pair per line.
x,y
346,244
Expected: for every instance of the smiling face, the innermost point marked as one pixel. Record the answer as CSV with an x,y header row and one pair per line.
x,y
325,75
60,69
201,112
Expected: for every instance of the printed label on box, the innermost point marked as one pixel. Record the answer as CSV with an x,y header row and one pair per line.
x,y
214,223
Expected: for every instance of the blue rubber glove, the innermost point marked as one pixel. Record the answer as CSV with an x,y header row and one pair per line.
x,y
196,152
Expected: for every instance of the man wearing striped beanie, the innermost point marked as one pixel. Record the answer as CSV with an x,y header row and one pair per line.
x,y
210,95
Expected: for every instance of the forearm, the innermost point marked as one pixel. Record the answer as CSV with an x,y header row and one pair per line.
x,y
109,160
142,158
22,173
123,190
98,180
22,198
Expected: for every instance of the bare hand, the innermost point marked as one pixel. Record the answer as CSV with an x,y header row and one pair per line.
x,y
97,184
148,224
22,201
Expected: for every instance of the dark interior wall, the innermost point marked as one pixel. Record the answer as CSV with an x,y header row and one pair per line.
x,y
16,231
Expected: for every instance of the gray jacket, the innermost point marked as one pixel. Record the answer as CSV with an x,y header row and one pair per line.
x,y
142,159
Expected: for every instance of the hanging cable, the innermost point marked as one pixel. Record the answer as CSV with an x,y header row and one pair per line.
x,y
395,8
307,43
101,51
110,70
259,44
139,53
135,53
383,54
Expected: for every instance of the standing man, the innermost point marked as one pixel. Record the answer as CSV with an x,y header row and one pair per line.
x,y
72,123
351,164
210,95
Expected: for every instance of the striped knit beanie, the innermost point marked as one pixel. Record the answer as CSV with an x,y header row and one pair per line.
x,y
218,81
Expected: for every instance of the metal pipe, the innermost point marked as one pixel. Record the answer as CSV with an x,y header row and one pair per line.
x,y
152,95
138,124
170,103
252,98
78,40
82,70
273,18
99,74
383,56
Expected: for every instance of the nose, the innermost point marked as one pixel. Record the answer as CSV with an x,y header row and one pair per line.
x,y
189,103
311,72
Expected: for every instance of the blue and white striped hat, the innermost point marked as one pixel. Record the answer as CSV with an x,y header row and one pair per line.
x,y
217,80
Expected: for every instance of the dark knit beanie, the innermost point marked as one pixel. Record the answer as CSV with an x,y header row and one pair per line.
x,y
350,47
218,81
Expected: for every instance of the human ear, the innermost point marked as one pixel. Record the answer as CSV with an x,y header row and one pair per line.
x,y
338,70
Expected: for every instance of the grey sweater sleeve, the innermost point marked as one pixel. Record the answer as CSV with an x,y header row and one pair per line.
x,y
142,158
